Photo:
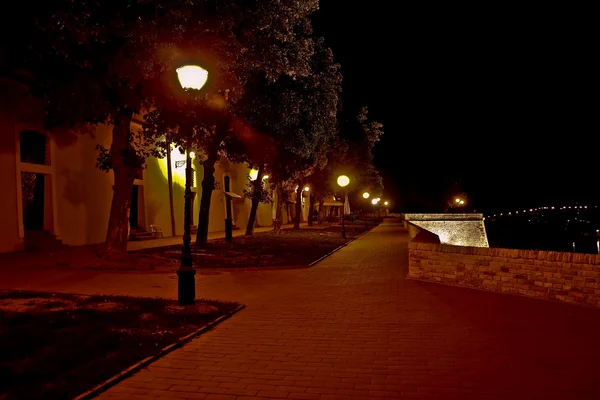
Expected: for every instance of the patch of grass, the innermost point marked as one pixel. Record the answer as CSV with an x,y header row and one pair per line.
x,y
60,345
289,248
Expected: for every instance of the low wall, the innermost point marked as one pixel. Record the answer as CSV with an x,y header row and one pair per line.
x,y
456,229
568,277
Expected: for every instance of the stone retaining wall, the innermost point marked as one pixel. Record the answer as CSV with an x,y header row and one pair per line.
x,y
568,277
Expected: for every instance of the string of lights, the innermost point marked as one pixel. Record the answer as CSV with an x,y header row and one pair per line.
x,y
525,211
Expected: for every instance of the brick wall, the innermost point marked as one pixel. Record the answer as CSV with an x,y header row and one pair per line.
x,y
568,277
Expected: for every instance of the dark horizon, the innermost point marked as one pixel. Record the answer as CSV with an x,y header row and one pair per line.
x,y
492,103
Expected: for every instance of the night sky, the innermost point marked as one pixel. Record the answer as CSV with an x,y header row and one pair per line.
x,y
501,104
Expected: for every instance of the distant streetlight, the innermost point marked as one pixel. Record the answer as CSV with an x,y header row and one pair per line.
x,y
374,201
366,195
254,174
306,189
343,181
386,203
457,200
191,78
462,202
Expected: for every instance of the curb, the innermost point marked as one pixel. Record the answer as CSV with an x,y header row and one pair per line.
x,y
318,260
127,372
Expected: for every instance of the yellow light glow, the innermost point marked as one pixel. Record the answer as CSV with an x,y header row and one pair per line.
x,y
306,188
192,76
343,180
378,199
374,201
178,172
386,203
253,174
462,202
265,177
366,195
192,155
457,200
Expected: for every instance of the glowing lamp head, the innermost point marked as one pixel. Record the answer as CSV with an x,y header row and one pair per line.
x,y
192,155
343,180
192,77
374,201
306,188
378,199
265,177
462,202
366,195
457,200
385,203
253,174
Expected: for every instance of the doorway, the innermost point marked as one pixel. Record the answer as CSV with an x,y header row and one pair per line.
x,y
33,189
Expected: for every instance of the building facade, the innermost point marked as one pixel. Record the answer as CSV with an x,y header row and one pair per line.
x,y
52,190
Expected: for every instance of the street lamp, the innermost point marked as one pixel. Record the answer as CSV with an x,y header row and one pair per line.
x,y
343,181
191,78
366,195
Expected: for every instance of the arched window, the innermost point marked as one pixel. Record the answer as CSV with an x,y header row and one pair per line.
x,y
34,147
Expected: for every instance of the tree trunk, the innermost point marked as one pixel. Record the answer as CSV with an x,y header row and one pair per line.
x,y
311,208
321,211
208,185
298,216
257,186
170,183
278,209
124,171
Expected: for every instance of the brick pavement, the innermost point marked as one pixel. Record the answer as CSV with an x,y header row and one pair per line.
x,y
353,328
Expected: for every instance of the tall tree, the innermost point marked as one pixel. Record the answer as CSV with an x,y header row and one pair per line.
x,y
95,63
298,116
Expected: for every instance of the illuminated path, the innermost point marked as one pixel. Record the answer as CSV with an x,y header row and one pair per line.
x,y
354,328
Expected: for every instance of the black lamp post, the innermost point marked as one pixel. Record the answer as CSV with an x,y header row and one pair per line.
x,y
191,77
366,197
343,181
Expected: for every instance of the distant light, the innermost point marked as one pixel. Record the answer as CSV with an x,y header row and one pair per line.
x,y
385,203
306,188
457,200
584,206
192,155
530,209
192,76
500,214
516,212
265,177
509,213
374,201
462,202
366,195
343,180
253,174
552,208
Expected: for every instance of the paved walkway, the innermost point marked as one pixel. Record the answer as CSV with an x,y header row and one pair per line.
x,y
353,328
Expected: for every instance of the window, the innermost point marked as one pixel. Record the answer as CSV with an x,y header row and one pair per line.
x,y
34,147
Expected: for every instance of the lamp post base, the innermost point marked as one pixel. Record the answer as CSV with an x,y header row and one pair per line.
x,y
186,286
228,229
